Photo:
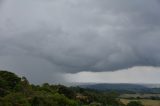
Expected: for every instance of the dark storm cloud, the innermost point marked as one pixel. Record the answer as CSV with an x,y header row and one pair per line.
x,y
79,35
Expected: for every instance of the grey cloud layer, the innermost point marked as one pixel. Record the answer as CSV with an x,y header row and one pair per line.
x,y
80,35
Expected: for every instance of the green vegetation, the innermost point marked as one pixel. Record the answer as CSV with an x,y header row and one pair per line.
x,y
16,91
135,103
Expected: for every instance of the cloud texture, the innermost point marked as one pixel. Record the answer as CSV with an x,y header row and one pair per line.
x,y
69,36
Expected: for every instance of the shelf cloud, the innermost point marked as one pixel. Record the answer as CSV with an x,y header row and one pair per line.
x,y
71,36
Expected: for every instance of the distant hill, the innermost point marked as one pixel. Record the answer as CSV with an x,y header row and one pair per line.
x,y
132,88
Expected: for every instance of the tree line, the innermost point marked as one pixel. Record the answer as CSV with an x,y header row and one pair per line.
x,y
17,91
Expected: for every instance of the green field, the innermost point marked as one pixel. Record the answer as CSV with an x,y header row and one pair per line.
x,y
146,102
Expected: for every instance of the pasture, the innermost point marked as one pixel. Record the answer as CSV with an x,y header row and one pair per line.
x,y
145,102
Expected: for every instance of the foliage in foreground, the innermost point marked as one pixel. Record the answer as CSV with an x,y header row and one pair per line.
x,y
16,91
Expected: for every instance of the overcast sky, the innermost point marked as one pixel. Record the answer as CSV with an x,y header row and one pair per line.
x,y
60,41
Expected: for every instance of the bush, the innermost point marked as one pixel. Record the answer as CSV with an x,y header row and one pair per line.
x,y
15,99
135,103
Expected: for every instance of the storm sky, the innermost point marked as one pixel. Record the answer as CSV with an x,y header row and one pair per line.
x,y
58,41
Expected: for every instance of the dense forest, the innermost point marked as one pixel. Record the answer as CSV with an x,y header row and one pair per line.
x,y
17,91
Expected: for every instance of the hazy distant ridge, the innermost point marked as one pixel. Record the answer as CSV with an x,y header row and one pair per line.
x,y
151,88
